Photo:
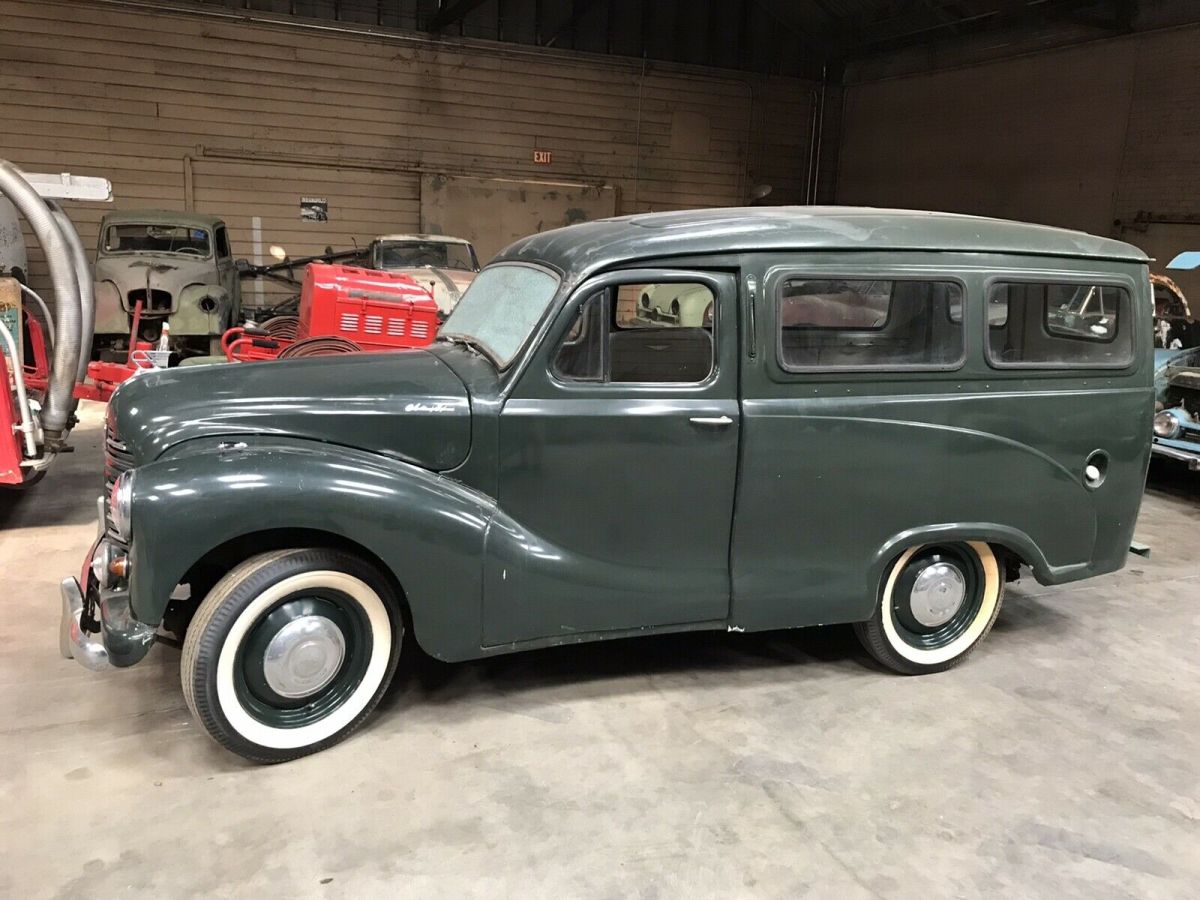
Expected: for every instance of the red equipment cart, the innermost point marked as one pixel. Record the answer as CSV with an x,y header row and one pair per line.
x,y
343,309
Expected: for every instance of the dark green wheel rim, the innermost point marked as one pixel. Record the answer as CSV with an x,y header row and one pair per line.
x,y
908,628
249,678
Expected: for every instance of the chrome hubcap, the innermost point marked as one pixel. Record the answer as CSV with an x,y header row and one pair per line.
x,y
304,656
937,594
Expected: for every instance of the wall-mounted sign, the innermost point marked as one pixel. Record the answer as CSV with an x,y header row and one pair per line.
x,y
314,209
543,157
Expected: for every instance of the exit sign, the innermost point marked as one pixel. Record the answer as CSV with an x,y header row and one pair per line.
x,y
543,157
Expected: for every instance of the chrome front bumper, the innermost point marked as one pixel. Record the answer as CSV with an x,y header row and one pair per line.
x,y
123,640
1192,459
73,642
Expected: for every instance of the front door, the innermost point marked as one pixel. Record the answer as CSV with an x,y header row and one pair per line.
x,y
227,273
618,462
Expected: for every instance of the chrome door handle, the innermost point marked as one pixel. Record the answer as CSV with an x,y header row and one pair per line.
x,y
711,420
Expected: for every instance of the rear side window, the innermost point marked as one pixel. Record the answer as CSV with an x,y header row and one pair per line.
x,y
1059,325
869,324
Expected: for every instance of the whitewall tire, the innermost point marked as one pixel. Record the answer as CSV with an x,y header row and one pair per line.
x,y
290,652
937,602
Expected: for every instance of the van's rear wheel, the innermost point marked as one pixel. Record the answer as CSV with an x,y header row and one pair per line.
x,y
290,652
938,602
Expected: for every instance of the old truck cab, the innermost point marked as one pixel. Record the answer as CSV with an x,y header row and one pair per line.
x,y
885,417
179,267
445,266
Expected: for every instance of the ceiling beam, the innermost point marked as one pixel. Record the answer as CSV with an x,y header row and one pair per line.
x,y
1003,14
1116,16
453,12
579,9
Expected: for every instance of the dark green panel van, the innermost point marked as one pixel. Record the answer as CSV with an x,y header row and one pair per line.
x,y
718,419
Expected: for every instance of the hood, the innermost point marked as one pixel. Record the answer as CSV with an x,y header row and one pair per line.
x,y
446,285
407,404
170,273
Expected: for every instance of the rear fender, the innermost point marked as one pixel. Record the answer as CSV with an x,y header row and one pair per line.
x,y
428,530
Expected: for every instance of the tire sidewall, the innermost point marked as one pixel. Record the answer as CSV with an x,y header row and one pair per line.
x,y
914,660
220,637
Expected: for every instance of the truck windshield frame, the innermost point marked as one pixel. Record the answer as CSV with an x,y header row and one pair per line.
x,y
186,236
425,254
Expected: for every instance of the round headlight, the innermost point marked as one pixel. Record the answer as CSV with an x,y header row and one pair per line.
x,y
120,502
1167,425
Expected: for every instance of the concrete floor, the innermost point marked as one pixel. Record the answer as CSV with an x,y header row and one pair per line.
x,y
1062,761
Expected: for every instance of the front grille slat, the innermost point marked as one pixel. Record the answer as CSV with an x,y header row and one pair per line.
x,y
117,459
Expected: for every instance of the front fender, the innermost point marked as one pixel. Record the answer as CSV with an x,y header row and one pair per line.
x,y
111,317
428,530
191,316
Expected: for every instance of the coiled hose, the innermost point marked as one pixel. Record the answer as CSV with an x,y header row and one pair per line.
x,y
320,346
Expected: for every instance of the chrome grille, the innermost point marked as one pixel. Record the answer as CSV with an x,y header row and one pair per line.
x,y
117,459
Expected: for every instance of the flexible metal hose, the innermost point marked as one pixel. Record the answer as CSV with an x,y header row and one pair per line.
x,y
60,402
87,291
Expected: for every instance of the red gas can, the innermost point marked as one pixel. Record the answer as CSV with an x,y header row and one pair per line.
x,y
376,310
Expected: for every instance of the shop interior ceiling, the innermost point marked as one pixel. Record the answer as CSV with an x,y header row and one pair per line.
x,y
805,38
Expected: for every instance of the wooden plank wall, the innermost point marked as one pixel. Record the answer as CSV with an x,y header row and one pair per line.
x,y
263,112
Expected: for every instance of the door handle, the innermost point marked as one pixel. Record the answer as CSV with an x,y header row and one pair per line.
x,y
711,420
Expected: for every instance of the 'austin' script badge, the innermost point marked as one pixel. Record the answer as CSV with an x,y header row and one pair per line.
x,y
429,407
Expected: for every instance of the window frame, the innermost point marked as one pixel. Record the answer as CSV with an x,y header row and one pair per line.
x,y
107,229
609,281
1103,281
781,277
221,236
536,333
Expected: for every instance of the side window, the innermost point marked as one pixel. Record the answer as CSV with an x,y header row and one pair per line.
x,y
222,243
1047,324
641,333
842,323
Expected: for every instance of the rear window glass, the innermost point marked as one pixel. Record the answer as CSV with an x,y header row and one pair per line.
x,y
1049,324
869,323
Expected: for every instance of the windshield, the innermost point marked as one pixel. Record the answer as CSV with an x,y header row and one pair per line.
x,y
500,309
156,239
418,254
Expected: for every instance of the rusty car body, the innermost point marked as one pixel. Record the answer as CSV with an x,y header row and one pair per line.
x,y
179,266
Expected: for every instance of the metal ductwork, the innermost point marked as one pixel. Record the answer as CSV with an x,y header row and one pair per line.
x,y
60,402
87,290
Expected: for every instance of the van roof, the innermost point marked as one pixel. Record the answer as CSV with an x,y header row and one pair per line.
x,y
593,245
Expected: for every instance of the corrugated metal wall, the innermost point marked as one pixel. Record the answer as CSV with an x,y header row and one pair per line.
x,y
1103,137
242,119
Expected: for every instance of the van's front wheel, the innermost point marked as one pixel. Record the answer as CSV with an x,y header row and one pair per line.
x,y
290,652
938,602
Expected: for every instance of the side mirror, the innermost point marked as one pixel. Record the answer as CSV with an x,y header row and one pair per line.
x,y
242,265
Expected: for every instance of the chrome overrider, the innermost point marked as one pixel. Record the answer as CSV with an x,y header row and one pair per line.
x,y
122,639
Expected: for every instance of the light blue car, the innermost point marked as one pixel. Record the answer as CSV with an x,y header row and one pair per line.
x,y
1177,394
